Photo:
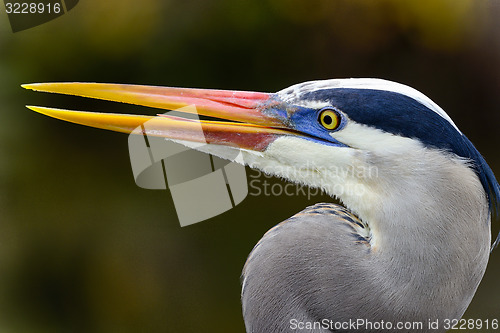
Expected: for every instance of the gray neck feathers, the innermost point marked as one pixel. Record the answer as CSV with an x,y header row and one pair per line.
x,y
428,250
431,234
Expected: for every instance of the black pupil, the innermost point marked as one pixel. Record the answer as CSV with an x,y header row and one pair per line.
x,y
328,119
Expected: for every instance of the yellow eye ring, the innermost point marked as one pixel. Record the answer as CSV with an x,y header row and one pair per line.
x,y
329,119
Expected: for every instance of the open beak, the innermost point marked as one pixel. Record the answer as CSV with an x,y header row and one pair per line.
x,y
253,121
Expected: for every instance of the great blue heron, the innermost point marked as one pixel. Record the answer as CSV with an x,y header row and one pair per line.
x,y
413,241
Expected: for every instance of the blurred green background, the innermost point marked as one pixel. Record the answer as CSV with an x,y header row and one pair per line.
x,y
83,249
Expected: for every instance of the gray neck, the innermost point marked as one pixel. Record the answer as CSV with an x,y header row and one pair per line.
x,y
428,224
432,232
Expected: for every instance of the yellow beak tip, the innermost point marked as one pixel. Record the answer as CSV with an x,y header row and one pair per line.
x,y
55,113
30,86
37,108
34,108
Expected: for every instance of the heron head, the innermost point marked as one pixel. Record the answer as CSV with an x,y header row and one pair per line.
x,y
313,133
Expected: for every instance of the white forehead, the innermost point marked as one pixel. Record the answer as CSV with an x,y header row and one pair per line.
x,y
293,93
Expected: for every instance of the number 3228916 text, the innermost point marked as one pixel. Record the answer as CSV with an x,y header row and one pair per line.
x,y
32,8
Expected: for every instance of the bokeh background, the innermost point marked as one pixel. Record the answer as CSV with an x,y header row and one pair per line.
x,y
83,249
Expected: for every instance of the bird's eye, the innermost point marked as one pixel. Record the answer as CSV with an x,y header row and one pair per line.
x,y
329,119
